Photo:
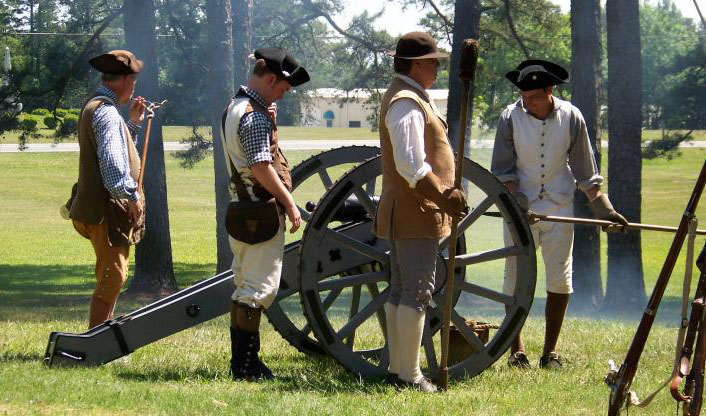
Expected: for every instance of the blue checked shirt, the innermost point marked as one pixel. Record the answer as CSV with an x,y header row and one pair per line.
x,y
255,130
111,147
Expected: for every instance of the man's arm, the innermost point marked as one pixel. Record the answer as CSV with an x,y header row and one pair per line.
x,y
112,153
504,158
266,175
254,133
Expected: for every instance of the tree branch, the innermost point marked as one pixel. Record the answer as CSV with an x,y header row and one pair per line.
x,y
329,19
82,57
448,25
511,24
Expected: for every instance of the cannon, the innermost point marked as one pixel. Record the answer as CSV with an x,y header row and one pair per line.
x,y
335,279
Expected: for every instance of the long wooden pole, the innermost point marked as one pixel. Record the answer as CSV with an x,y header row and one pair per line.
x,y
469,59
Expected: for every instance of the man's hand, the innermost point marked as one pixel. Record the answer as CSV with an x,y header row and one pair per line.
x,y
272,111
454,202
134,211
137,110
603,210
294,216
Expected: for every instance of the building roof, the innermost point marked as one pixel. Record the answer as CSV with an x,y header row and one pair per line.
x,y
435,94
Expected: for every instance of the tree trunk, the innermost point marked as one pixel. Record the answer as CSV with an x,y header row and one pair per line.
x,y
585,79
221,89
242,39
466,25
154,273
625,287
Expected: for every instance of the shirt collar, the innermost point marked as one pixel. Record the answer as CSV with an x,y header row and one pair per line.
x,y
552,113
244,90
103,90
413,83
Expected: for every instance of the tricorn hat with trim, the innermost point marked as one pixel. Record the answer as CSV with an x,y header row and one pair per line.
x,y
537,73
417,45
117,62
281,62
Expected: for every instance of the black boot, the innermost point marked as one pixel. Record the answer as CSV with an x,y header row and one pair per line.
x,y
246,364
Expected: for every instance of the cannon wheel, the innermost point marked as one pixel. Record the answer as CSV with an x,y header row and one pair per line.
x,y
319,167
322,283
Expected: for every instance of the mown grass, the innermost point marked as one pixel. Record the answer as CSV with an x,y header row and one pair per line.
x,y
179,133
46,280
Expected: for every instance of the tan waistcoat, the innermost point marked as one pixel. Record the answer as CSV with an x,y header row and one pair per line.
x,y
403,212
91,196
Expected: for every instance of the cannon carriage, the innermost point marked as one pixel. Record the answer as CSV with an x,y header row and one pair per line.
x,y
335,279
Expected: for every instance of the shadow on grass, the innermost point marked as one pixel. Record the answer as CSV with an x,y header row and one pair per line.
x,y
49,292
13,356
318,374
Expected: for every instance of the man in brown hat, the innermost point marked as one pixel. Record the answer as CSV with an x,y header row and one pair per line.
x,y
108,168
417,199
542,153
249,136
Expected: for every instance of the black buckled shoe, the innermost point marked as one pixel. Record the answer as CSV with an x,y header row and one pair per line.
x,y
551,362
519,360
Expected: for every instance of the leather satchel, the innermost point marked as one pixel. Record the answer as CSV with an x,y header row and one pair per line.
x,y
251,221
121,231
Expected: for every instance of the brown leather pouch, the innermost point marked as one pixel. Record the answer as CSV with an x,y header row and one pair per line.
x,y
252,222
121,231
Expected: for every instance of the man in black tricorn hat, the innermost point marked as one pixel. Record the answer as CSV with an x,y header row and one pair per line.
x,y
108,168
542,153
249,137
417,200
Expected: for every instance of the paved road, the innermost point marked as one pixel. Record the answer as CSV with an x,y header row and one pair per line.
x,y
285,144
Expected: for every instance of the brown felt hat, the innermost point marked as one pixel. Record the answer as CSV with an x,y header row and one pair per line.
x,y
117,62
417,45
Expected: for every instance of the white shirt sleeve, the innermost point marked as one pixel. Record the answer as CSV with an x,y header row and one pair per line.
x,y
405,122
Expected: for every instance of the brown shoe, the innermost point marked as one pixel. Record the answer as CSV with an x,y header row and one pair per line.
x,y
424,385
519,360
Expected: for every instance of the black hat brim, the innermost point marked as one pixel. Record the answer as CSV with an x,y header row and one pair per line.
x,y
536,73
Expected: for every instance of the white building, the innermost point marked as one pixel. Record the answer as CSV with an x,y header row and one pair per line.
x,y
330,107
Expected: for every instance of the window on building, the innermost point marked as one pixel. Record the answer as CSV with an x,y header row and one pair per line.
x,y
354,124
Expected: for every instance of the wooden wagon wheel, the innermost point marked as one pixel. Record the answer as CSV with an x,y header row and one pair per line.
x,y
345,311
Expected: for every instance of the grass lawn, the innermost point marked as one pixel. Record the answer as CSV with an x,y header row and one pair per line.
x,y
179,133
46,280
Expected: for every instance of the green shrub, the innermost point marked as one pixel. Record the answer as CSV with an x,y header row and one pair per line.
x,y
50,122
61,112
75,111
41,112
29,122
69,126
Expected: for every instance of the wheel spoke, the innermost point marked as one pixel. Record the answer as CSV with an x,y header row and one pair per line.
x,y
466,332
355,245
328,301
370,187
355,306
363,315
429,350
283,294
325,179
486,293
463,260
382,319
384,359
468,220
365,201
355,280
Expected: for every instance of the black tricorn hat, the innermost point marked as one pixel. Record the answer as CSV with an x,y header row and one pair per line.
x,y
537,73
280,61
417,45
117,62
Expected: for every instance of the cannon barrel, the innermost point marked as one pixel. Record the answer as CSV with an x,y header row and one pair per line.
x,y
350,211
